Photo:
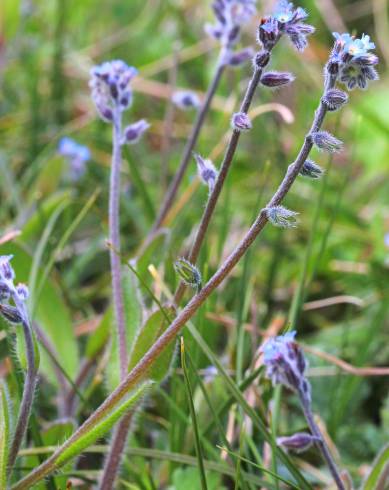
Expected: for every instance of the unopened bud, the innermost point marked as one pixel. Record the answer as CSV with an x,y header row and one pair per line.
x,y
188,272
11,314
239,58
276,78
298,442
6,271
311,169
105,112
207,171
326,141
334,99
22,291
134,132
261,59
186,100
240,121
5,292
281,217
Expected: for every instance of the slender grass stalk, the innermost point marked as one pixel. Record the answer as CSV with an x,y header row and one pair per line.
x,y
190,145
190,309
321,444
30,383
114,236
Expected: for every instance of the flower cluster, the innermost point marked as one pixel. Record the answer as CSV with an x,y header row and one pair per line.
x,y
112,94
352,62
230,15
110,86
285,363
77,155
286,20
19,293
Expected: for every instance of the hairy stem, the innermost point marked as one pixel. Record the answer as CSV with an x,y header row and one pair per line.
x,y
113,460
192,141
321,444
214,195
30,382
190,309
114,236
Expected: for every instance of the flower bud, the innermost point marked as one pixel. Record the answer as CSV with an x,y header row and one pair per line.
x,y
261,59
207,171
368,59
281,217
268,32
5,292
311,169
188,272
276,78
299,442
134,132
326,141
6,271
238,58
11,314
186,100
105,112
22,292
334,99
240,121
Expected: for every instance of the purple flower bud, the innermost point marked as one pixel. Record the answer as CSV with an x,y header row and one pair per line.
x,y
285,363
134,132
311,169
281,217
368,59
5,292
11,314
240,121
299,442
268,32
186,100
276,78
207,171
326,142
334,99
22,291
261,59
238,58
7,273
105,112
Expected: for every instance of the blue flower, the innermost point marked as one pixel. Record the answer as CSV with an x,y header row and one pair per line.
x,y
77,156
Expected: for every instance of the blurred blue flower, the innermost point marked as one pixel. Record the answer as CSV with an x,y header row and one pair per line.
x,y
77,156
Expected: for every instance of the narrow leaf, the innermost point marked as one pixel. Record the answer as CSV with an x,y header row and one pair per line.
x,y
4,435
379,473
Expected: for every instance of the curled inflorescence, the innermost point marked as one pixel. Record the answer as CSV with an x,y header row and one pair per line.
x,y
285,363
351,61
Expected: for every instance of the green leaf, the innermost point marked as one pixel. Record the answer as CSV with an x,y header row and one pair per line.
x,y
102,427
379,473
153,328
57,432
4,434
98,339
52,316
133,316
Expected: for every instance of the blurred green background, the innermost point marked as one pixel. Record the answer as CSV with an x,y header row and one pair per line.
x,y
330,275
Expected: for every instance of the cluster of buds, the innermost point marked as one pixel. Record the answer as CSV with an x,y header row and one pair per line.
x,y
231,15
111,90
77,156
189,273
285,364
286,20
207,171
16,313
351,61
